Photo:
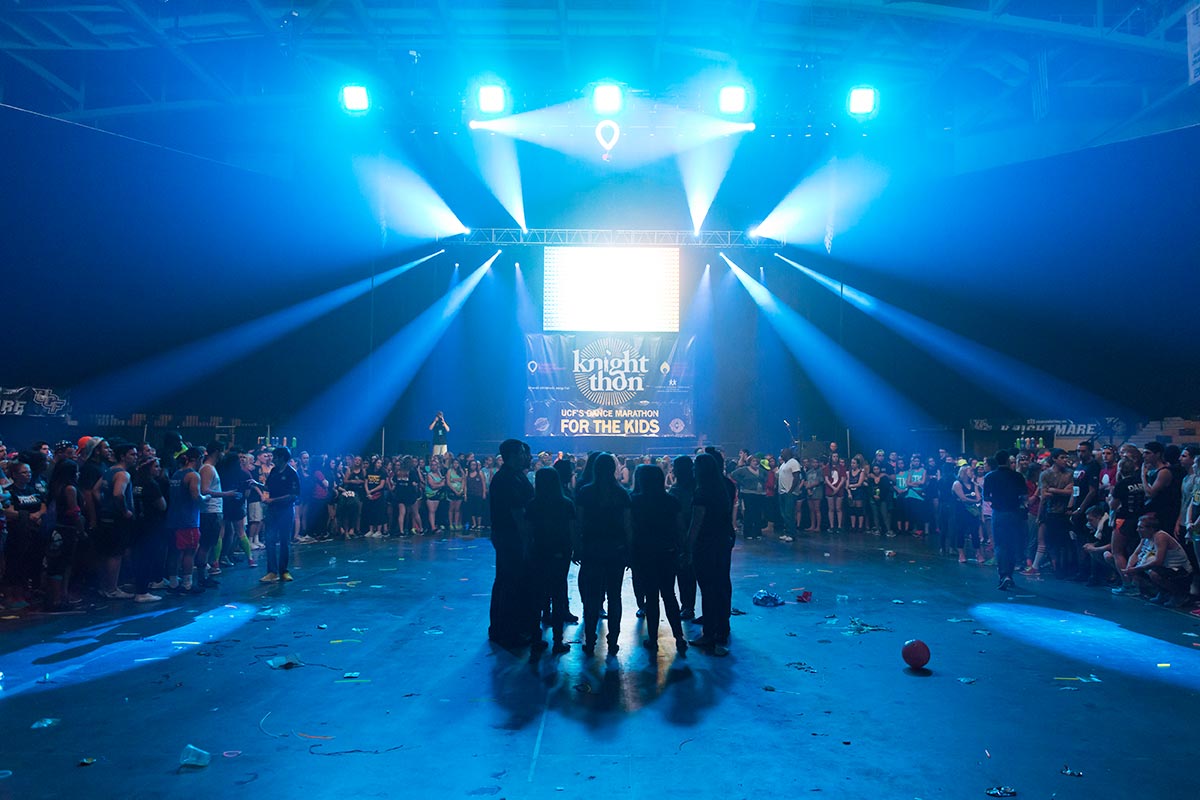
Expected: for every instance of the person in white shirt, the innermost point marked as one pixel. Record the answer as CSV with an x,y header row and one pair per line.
x,y
790,481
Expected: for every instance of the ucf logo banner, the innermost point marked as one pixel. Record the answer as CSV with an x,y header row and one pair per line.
x,y
608,385
29,401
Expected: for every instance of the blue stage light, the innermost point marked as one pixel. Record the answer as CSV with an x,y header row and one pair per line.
x,y
732,99
606,98
355,99
493,99
863,102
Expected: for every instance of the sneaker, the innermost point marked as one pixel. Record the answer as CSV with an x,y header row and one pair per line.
x,y
159,585
287,576
1160,598
212,570
720,650
1127,588
270,577
117,594
226,561
146,597
1006,584
249,563
786,538
701,641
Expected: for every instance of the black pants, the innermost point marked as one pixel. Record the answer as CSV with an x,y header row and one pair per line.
x,y
712,560
1008,531
686,575
512,611
550,574
600,578
1059,544
752,514
652,579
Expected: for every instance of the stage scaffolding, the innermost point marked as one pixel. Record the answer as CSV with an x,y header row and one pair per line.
x,y
586,236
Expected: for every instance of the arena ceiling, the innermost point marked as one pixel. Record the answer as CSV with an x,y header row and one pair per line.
x,y
1005,80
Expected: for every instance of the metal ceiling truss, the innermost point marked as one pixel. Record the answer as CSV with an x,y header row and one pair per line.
x,y
504,237
1128,58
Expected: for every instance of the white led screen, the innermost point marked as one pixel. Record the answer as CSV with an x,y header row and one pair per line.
x,y
634,289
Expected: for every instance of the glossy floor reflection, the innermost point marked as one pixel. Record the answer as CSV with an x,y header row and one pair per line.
x,y
400,695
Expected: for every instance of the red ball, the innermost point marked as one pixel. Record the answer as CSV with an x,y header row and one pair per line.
x,y
915,653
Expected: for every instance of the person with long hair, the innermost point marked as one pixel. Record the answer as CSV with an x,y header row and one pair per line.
x,y
551,519
63,495
149,546
375,488
435,491
684,490
513,614
456,492
233,507
967,515
657,544
602,507
476,486
709,544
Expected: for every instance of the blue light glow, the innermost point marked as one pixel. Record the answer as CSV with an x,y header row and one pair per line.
x,y
1100,644
82,655
863,101
1036,391
856,393
732,99
496,157
147,381
493,99
404,201
607,98
355,99
351,409
703,169
830,200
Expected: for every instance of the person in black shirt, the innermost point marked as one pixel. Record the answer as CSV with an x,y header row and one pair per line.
x,y
602,507
709,542
683,491
657,543
283,492
149,529
1086,476
513,611
551,519
1006,491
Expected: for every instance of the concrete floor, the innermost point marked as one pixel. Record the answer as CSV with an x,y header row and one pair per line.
x,y
802,705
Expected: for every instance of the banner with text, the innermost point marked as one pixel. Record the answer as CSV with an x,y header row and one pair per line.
x,y
608,385
28,401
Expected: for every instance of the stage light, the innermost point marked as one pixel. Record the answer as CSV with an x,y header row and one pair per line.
x,y
493,99
863,102
606,98
732,99
355,99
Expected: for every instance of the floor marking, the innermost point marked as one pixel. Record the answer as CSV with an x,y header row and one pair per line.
x,y
537,745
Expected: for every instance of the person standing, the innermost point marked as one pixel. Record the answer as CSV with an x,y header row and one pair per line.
x,y
1085,492
751,483
551,518
513,612
790,483
1005,490
1056,487
115,532
183,517
283,491
657,543
440,428
709,543
605,531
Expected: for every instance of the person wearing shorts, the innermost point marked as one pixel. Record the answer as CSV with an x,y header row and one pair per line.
x,y
183,517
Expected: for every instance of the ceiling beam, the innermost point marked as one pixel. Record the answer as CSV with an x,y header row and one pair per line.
x,y
75,95
164,41
1170,20
1005,22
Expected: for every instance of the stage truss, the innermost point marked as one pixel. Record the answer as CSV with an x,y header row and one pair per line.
x,y
586,236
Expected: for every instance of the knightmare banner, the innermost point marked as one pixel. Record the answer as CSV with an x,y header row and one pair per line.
x,y
609,385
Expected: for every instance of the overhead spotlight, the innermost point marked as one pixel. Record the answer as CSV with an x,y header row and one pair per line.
x,y
355,99
493,99
606,98
732,99
863,101
753,232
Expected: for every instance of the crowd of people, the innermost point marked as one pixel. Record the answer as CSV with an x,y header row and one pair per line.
x,y
131,522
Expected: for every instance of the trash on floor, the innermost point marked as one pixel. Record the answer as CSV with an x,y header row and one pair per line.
x,y
967,681
1074,773
859,626
45,722
802,667
285,662
1001,791
768,599
193,756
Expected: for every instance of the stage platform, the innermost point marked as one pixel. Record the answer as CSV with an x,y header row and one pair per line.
x,y
399,694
